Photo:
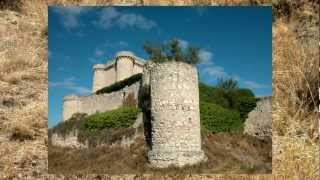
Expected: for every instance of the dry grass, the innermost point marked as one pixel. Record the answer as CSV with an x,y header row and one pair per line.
x,y
295,90
227,154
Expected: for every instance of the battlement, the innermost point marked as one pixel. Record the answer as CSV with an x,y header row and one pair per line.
x,y
123,66
71,97
125,54
99,66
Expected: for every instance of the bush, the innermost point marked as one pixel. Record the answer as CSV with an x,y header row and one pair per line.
x,y
66,127
241,100
120,84
245,106
172,51
118,118
245,102
215,118
212,94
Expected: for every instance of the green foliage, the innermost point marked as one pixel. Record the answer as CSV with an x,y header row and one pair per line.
x,y
119,118
172,51
245,105
227,84
212,94
244,102
65,127
99,128
120,84
227,98
215,118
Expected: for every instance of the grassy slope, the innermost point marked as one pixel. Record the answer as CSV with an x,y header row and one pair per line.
x,y
227,153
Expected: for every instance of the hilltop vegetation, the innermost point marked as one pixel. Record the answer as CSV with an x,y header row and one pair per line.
x,y
224,108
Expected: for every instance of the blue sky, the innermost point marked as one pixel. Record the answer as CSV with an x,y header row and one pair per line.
x,y
235,42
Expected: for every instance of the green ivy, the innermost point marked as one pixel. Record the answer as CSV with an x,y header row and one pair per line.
x,y
119,118
120,84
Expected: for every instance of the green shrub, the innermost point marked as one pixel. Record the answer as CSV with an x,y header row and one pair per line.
x,y
236,99
118,118
215,118
212,94
65,127
120,84
245,102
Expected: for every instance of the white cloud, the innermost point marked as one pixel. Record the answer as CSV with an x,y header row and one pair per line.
x,y
254,85
69,15
111,17
98,52
183,43
123,43
215,71
206,57
69,83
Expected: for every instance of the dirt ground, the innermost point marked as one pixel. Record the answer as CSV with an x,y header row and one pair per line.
x,y
227,153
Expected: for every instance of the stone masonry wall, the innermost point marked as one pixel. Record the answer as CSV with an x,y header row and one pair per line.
x,y
97,102
70,140
123,66
259,121
175,135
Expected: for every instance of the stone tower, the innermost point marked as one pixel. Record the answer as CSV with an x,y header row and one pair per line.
x,y
71,105
175,115
123,66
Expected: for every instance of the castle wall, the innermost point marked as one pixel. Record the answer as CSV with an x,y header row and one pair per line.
x,y
137,69
70,140
71,105
176,138
99,77
110,75
124,67
259,121
98,102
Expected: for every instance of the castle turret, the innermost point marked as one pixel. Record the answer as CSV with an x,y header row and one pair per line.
x,y
99,77
71,105
175,115
124,64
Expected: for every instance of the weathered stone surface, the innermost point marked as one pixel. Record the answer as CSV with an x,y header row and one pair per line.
x,y
70,140
175,115
123,66
259,121
97,102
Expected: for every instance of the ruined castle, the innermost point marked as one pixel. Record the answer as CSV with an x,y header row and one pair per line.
x,y
170,96
124,65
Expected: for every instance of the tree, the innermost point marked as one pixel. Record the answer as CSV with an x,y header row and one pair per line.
x,y
172,51
227,84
